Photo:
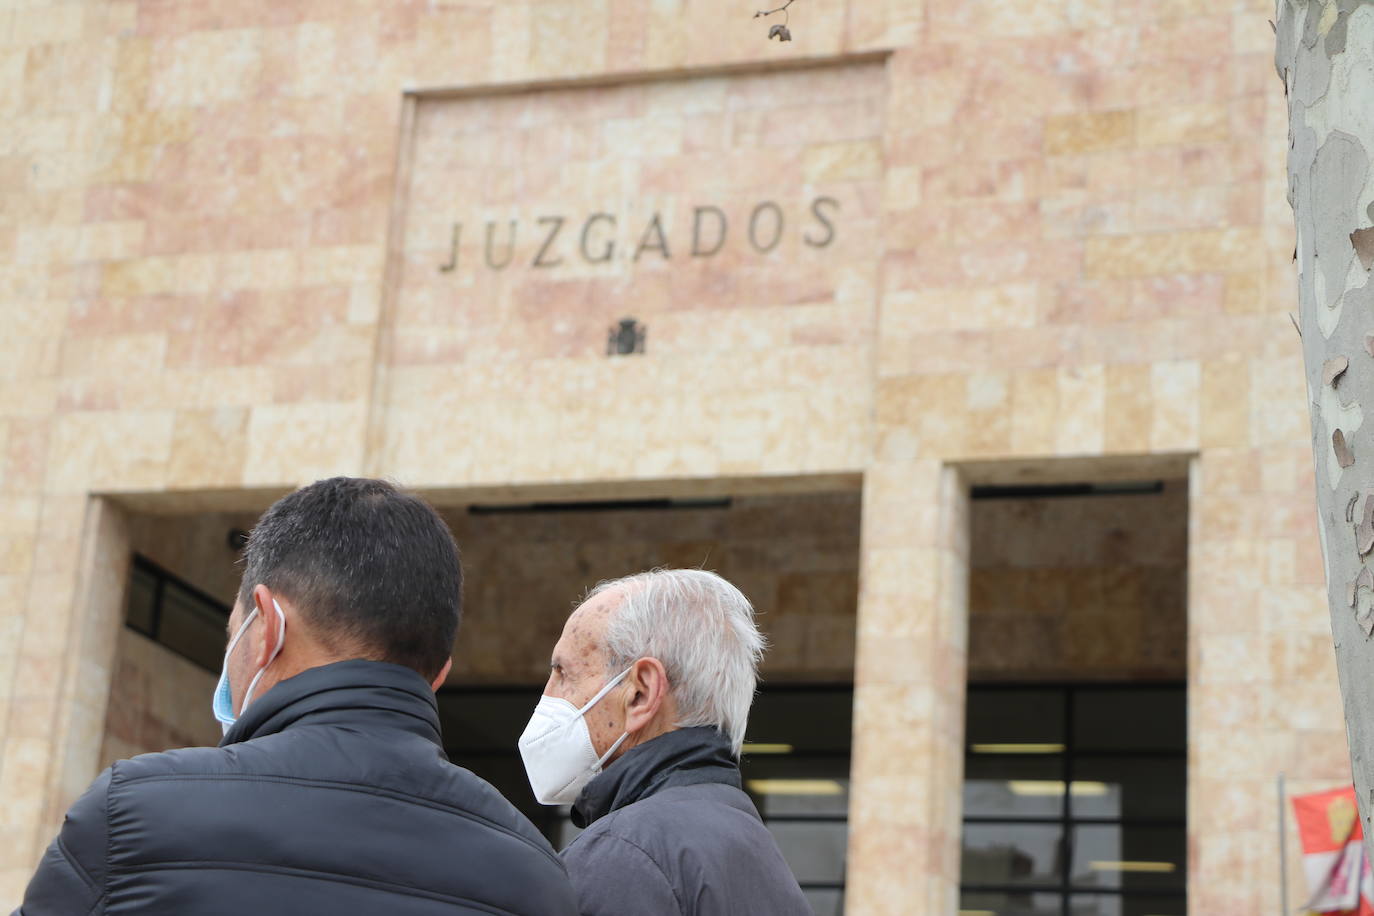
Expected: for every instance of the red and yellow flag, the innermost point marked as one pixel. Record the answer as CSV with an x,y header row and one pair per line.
x,y
1339,875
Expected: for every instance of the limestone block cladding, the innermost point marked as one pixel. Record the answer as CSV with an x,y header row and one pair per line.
x,y
961,238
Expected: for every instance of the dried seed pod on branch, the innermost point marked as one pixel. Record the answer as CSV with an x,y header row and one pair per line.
x,y
779,30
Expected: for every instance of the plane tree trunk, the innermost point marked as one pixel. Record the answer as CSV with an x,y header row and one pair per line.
x,y
1325,57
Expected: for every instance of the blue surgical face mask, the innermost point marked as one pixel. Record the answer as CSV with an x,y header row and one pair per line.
x,y
223,703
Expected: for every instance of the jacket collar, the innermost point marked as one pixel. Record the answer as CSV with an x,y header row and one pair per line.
x,y
685,757
357,692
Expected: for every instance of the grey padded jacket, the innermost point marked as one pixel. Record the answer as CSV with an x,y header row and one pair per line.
x,y
670,831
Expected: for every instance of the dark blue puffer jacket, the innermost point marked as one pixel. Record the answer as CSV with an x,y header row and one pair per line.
x,y
330,795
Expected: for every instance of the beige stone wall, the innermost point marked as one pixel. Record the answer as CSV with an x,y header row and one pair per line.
x,y
533,222
1080,588
1093,259
795,557
193,547
158,700
906,776
208,284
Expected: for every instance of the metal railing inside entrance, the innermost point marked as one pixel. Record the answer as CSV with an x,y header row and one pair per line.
x,y
174,613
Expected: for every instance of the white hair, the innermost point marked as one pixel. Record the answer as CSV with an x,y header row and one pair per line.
x,y
702,629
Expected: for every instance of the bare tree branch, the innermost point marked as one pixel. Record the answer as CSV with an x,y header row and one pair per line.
x,y
781,9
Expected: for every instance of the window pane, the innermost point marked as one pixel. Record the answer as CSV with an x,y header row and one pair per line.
x,y
1131,858
192,627
1094,905
825,902
1125,787
999,716
485,721
1117,905
1009,904
808,720
1011,854
142,597
1014,768
1139,719
789,785
813,849
1011,787
208,613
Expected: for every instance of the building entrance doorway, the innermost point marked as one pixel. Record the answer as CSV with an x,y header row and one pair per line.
x,y
1075,767
527,565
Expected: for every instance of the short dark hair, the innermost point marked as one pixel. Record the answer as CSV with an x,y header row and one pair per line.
x,y
372,569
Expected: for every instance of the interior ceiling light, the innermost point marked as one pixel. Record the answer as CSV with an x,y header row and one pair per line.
x,y
1162,868
1018,748
1045,787
795,787
765,748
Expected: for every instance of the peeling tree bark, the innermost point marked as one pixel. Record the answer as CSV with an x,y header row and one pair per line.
x,y
1325,56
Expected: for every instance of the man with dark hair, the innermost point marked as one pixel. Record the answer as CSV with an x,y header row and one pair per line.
x,y
330,792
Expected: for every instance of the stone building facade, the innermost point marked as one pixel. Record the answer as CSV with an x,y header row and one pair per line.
x,y
547,250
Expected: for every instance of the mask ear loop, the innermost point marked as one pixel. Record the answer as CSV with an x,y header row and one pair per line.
x,y
223,704
606,756
621,740
281,636
610,685
243,628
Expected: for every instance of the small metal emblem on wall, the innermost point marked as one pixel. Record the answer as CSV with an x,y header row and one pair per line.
x,y
626,338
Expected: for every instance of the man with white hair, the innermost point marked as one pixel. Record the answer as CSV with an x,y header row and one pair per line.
x,y
640,729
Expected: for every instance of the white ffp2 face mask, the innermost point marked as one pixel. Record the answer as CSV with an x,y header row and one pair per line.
x,y
557,747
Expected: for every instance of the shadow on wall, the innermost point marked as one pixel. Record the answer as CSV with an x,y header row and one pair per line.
x,y
1080,587
796,557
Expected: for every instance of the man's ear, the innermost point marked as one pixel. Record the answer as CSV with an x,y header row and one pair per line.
x,y
263,643
648,688
443,675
